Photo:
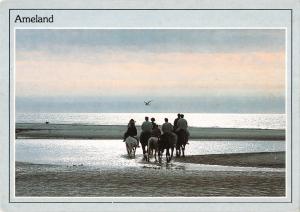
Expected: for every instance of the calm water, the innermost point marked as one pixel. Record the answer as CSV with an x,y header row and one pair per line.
x,y
112,153
263,121
99,168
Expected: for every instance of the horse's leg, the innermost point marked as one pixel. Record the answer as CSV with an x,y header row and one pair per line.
x,y
155,155
131,150
127,149
148,156
144,151
183,149
167,155
172,150
134,149
159,156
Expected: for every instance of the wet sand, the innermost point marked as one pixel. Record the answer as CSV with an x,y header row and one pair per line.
x,y
260,159
78,131
156,181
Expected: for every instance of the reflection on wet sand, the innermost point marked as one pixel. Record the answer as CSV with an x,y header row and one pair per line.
x,y
92,169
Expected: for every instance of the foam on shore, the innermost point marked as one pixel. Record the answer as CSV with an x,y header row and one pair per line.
x,y
79,131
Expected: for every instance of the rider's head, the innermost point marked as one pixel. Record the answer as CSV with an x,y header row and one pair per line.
x,y
166,120
178,115
147,118
182,116
131,122
153,119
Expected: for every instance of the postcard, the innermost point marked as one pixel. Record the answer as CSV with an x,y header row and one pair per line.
x,y
139,107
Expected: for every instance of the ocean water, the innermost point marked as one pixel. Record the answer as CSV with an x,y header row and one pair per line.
x,y
111,154
260,121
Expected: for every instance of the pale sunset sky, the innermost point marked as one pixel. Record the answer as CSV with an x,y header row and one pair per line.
x,y
152,63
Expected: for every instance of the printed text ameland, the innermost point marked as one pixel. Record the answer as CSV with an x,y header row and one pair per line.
x,y
34,19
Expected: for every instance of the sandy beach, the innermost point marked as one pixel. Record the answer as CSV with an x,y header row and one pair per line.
x,y
78,131
148,180
260,159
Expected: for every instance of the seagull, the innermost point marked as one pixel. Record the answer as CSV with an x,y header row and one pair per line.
x,y
147,103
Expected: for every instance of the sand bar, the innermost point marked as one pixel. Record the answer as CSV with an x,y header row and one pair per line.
x,y
79,131
260,159
55,180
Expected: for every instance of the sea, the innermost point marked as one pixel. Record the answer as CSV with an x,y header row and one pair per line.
x,y
102,168
215,120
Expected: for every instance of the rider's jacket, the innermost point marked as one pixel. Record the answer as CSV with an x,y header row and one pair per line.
x,y
167,127
146,126
182,124
156,132
131,131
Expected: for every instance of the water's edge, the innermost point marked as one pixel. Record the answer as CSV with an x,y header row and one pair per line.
x,y
78,131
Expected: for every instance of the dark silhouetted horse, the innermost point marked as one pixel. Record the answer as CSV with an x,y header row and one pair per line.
x,y
144,137
182,139
167,142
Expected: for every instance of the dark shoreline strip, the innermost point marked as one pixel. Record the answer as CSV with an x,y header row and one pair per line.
x,y
259,159
76,131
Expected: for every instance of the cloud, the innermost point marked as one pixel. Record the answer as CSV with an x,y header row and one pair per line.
x,y
128,73
61,41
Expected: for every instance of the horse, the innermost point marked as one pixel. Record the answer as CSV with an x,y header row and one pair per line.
x,y
182,139
131,144
152,146
144,137
167,141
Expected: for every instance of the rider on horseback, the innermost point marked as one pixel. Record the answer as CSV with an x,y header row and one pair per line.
x,y
131,131
167,127
155,131
153,122
147,125
183,125
175,122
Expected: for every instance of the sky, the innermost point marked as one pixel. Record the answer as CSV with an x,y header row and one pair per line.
x,y
229,67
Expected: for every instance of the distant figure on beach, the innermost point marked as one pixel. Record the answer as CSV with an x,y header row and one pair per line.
x,y
167,126
131,130
147,125
175,122
156,131
182,125
153,122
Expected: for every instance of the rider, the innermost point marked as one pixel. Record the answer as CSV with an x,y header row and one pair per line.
x,y
166,127
175,122
147,125
153,122
183,125
131,131
155,131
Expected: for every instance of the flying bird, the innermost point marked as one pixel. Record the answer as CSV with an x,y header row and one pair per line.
x,y
147,103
